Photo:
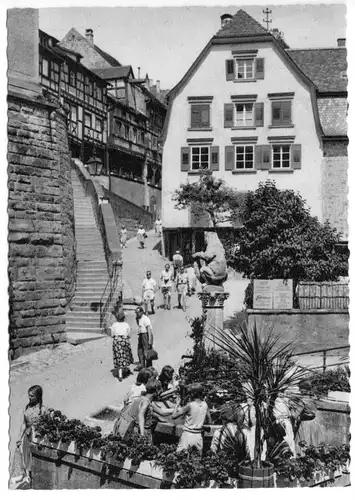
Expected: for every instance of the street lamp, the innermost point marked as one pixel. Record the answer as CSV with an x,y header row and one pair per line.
x,y
94,165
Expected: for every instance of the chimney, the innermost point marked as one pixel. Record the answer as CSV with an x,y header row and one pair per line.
x,y
341,42
157,88
139,72
89,35
226,19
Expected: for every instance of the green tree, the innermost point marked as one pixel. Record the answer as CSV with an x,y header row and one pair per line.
x,y
281,240
208,194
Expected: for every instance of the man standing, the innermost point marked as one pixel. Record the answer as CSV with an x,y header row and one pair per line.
x,y
145,338
149,287
177,262
166,282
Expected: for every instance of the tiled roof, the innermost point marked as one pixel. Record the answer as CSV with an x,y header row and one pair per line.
x,y
116,72
325,67
111,60
332,115
241,25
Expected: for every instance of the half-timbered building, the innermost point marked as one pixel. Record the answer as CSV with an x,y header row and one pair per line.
x,y
82,91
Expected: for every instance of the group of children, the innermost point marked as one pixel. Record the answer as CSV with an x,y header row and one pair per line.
x,y
141,233
142,410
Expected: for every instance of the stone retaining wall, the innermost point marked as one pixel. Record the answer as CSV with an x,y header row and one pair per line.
x,y
41,238
308,330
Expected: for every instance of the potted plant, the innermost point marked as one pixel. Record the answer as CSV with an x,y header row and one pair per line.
x,y
270,375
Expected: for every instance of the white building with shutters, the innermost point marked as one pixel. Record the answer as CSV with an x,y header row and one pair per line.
x,y
246,111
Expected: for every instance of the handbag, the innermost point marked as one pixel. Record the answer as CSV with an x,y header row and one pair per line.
x,y
151,355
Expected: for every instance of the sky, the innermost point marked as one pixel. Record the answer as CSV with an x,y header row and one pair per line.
x,y
164,41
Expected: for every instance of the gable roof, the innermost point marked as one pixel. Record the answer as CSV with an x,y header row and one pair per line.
x,y
333,114
326,68
115,72
241,25
108,58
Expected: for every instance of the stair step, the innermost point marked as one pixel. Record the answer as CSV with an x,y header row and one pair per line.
x,y
76,338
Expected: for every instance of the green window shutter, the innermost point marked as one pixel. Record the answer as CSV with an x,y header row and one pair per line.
x,y
228,115
185,159
214,157
286,113
266,157
259,114
195,116
259,68
258,157
276,116
296,156
230,69
229,155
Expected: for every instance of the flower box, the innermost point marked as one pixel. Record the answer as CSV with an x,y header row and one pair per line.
x,y
65,467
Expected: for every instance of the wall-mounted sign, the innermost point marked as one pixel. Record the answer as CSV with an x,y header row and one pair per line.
x,y
273,294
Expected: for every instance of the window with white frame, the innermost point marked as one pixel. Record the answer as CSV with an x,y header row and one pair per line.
x,y
98,125
244,157
200,156
244,116
73,113
244,69
45,67
281,157
87,118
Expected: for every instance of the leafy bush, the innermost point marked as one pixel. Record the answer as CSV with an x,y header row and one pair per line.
x,y
281,240
313,458
331,380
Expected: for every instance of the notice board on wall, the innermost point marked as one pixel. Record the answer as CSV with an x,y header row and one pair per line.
x,y
273,294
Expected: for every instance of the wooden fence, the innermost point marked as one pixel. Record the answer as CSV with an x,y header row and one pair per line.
x,y
325,295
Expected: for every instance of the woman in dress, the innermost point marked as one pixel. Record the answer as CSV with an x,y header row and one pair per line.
x,y
33,411
121,346
196,415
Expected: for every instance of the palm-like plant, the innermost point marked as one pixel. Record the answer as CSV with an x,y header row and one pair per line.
x,y
269,371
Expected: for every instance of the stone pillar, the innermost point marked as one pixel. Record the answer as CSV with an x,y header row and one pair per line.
x,y
212,299
22,51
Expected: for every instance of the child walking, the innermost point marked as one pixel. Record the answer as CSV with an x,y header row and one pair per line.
x,y
196,415
123,237
31,415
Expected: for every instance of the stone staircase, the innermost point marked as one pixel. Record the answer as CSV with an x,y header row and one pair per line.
x,y
83,318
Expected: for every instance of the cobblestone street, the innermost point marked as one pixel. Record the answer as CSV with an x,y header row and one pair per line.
x,y
78,379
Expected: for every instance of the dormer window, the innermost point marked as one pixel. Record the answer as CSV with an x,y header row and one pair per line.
x,y
245,66
244,69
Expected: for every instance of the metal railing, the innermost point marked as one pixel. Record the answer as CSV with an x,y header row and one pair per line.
x,y
105,221
324,357
109,294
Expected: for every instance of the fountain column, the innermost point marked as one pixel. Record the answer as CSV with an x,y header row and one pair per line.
x,y
212,298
